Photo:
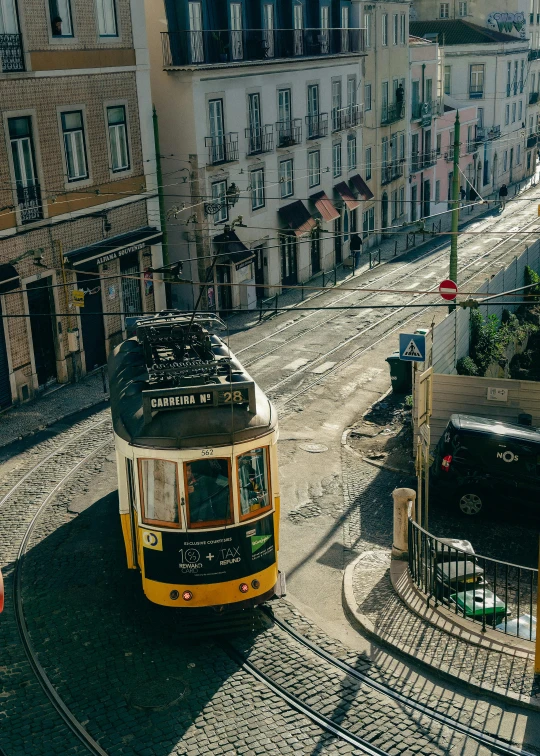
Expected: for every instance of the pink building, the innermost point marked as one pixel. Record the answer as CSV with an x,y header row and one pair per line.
x,y
468,154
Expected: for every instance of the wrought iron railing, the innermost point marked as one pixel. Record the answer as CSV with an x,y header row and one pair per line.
x,y
471,146
532,140
347,117
11,53
392,113
289,132
492,593
487,134
223,148
420,160
476,91
533,98
207,47
391,172
29,202
317,125
424,110
260,140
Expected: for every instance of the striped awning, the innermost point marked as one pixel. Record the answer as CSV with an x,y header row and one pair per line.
x,y
325,206
347,196
297,217
361,187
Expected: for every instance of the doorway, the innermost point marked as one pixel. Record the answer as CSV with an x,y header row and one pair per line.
x,y
5,387
315,253
131,286
289,265
426,199
511,164
259,271
384,212
42,326
414,199
338,240
224,303
92,329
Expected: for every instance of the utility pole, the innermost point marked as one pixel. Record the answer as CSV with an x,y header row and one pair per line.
x,y
159,179
455,206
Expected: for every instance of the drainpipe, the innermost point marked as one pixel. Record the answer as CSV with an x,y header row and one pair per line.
x,y
423,142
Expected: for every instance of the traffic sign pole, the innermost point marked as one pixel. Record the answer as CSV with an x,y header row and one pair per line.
x,y
455,205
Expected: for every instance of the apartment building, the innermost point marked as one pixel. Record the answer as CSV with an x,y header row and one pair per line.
x,y
387,108
79,220
260,111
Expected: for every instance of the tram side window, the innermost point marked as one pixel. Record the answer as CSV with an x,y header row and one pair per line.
x,y
208,492
160,498
253,482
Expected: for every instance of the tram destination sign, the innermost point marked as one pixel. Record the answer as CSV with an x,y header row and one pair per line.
x,y
197,397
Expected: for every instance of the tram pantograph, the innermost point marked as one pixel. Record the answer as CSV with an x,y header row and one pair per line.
x,y
196,448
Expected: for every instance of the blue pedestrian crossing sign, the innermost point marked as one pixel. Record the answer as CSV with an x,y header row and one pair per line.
x,y
412,347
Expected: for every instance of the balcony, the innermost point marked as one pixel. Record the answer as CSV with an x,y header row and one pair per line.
x,y
354,116
476,91
425,110
534,54
532,140
485,134
533,98
222,149
289,133
260,140
391,172
11,53
471,147
317,125
29,203
392,114
421,160
212,47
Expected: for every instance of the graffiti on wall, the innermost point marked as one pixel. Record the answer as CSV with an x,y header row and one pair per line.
x,y
505,21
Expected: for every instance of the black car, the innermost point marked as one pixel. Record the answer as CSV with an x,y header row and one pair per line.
x,y
480,462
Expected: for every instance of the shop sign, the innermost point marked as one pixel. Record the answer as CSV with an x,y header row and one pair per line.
x,y
115,254
77,297
244,263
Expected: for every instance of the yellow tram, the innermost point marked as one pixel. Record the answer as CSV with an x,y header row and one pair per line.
x,y
196,447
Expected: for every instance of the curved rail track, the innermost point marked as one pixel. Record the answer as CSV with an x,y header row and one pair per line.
x,y
26,499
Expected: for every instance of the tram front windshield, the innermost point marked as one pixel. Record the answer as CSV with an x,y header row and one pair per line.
x,y
208,492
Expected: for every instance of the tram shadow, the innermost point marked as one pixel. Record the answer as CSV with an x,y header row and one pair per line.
x,y
123,665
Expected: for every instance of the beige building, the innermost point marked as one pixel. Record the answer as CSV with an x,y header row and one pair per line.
x,y
78,206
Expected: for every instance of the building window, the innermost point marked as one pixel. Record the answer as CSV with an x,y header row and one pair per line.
x,y
351,152
402,28
444,10
395,29
476,80
368,20
462,9
61,20
513,112
515,79
217,131
439,143
219,196
368,222
448,80
118,140
368,163
254,120
522,77
367,97
520,110
24,167
394,203
402,146
286,178
336,159
508,78
505,161
257,189
384,32
401,200
74,145
518,155
437,191
107,25
314,168
507,114
336,105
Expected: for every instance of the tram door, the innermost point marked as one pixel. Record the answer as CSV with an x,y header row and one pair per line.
x,y
5,387
42,325
93,332
132,513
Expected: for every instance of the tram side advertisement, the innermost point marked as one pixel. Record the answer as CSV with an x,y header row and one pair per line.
x,y
198,558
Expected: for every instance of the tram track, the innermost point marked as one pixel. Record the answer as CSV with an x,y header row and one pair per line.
x,y
24,504
357,353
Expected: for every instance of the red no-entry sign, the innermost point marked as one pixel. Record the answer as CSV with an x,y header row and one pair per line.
x,y
448,290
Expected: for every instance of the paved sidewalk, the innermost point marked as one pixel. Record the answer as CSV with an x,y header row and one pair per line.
x,y
57,404
398,620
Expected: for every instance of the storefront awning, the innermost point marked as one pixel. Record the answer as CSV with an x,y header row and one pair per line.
x,y
117,246
9,278
325,206
232,251
361,187
297,217
347,196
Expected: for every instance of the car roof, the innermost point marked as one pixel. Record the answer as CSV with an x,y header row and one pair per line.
x,y
490,425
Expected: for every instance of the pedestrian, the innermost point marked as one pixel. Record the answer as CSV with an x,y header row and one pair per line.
x,y
57,26
503,194
462,194
473,194
400,96
356,249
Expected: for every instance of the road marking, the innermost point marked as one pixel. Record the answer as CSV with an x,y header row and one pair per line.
x,y
323,368
265,361
296,364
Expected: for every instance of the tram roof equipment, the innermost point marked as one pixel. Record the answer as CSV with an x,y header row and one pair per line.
x,y
176,384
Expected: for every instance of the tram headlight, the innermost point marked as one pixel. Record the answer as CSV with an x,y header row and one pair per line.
x,y
244,587
187,595
255,584
174,595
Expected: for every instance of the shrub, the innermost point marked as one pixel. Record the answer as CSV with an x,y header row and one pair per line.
x,y
532,277
466,366
485,342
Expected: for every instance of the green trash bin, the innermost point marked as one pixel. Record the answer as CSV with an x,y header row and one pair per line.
x,y
400,374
